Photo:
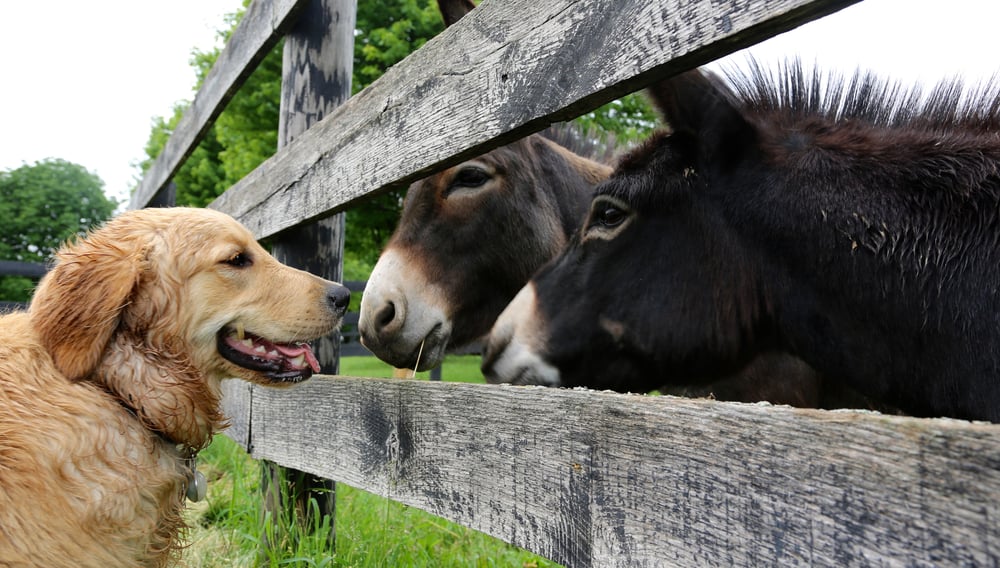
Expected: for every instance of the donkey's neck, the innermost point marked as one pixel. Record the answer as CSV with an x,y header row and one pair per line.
x,y
877,265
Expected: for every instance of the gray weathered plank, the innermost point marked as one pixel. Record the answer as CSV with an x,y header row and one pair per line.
x,y
236,397
17,268
506,69
602,479
261,28
317,66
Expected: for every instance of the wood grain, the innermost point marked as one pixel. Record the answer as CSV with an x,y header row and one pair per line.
x,y
601,479
505,70
261,28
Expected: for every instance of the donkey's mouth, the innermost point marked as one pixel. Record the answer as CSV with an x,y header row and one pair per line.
x,y
431,350
280,362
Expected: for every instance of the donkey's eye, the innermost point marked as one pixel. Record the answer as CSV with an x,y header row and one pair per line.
x,y
610,216
470,176
239,260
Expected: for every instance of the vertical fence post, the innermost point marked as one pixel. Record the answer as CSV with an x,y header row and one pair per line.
x,y
166,197
316,78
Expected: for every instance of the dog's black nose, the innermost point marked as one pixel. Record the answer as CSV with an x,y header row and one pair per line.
x,y
339,297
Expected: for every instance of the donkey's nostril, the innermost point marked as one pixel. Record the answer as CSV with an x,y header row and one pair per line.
x,y
385,316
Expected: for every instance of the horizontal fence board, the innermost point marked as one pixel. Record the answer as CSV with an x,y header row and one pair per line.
x,y
17,268
7,307
261,28
505,70
603,479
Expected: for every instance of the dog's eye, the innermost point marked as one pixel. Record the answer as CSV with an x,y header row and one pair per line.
x,y
239,260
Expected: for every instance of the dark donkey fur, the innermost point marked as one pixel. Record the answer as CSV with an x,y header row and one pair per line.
x,y
854,226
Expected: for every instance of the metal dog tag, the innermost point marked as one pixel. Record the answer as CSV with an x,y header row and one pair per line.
x,y
197,487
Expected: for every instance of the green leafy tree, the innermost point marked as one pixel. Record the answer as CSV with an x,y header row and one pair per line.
x,y
42,205
629,120
389,31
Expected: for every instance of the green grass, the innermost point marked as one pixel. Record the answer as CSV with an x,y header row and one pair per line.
x,y
371,532
456,368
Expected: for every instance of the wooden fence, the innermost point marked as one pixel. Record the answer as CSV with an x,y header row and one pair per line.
x,y
584,478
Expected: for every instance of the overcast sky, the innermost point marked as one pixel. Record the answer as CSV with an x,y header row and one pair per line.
x,y
82,81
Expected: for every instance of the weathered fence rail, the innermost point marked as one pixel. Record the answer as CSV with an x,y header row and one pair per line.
x,y
15,268
261,28
504,71
602,479
586,478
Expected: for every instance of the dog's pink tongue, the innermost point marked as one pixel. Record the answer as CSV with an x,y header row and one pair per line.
x,y
292,351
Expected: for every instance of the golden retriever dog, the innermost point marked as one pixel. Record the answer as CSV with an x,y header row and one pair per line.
x,y
110,382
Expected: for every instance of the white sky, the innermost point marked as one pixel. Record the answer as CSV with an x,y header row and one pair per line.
x,y
82,81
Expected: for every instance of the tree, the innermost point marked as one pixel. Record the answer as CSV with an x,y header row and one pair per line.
x,y
43,205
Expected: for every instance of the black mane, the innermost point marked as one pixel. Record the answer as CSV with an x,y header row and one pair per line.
x,y
937,153
790,90
941,138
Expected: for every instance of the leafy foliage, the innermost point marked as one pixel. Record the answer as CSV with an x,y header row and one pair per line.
x,y
42,205
389,31
629,119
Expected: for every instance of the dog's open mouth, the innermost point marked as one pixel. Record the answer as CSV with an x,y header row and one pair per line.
x,y
290,362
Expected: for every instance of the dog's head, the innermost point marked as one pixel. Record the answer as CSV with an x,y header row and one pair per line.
x,y
159,305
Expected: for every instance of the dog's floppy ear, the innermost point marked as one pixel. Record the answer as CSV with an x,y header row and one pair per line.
x,y
77,306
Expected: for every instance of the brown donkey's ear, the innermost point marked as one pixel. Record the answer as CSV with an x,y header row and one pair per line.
x,y
77,306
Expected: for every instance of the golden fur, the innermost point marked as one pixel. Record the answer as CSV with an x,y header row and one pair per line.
x,y
113,376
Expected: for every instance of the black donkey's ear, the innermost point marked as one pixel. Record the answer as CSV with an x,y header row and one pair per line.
x,y
697,104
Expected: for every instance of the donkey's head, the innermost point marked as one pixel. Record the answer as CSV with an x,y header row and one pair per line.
x,y
657,283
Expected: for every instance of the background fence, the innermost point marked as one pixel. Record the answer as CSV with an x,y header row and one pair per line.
x,y
584,478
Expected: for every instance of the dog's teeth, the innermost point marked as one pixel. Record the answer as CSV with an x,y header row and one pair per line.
x,y
260,349
298,361
273,354
239,331
248,343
